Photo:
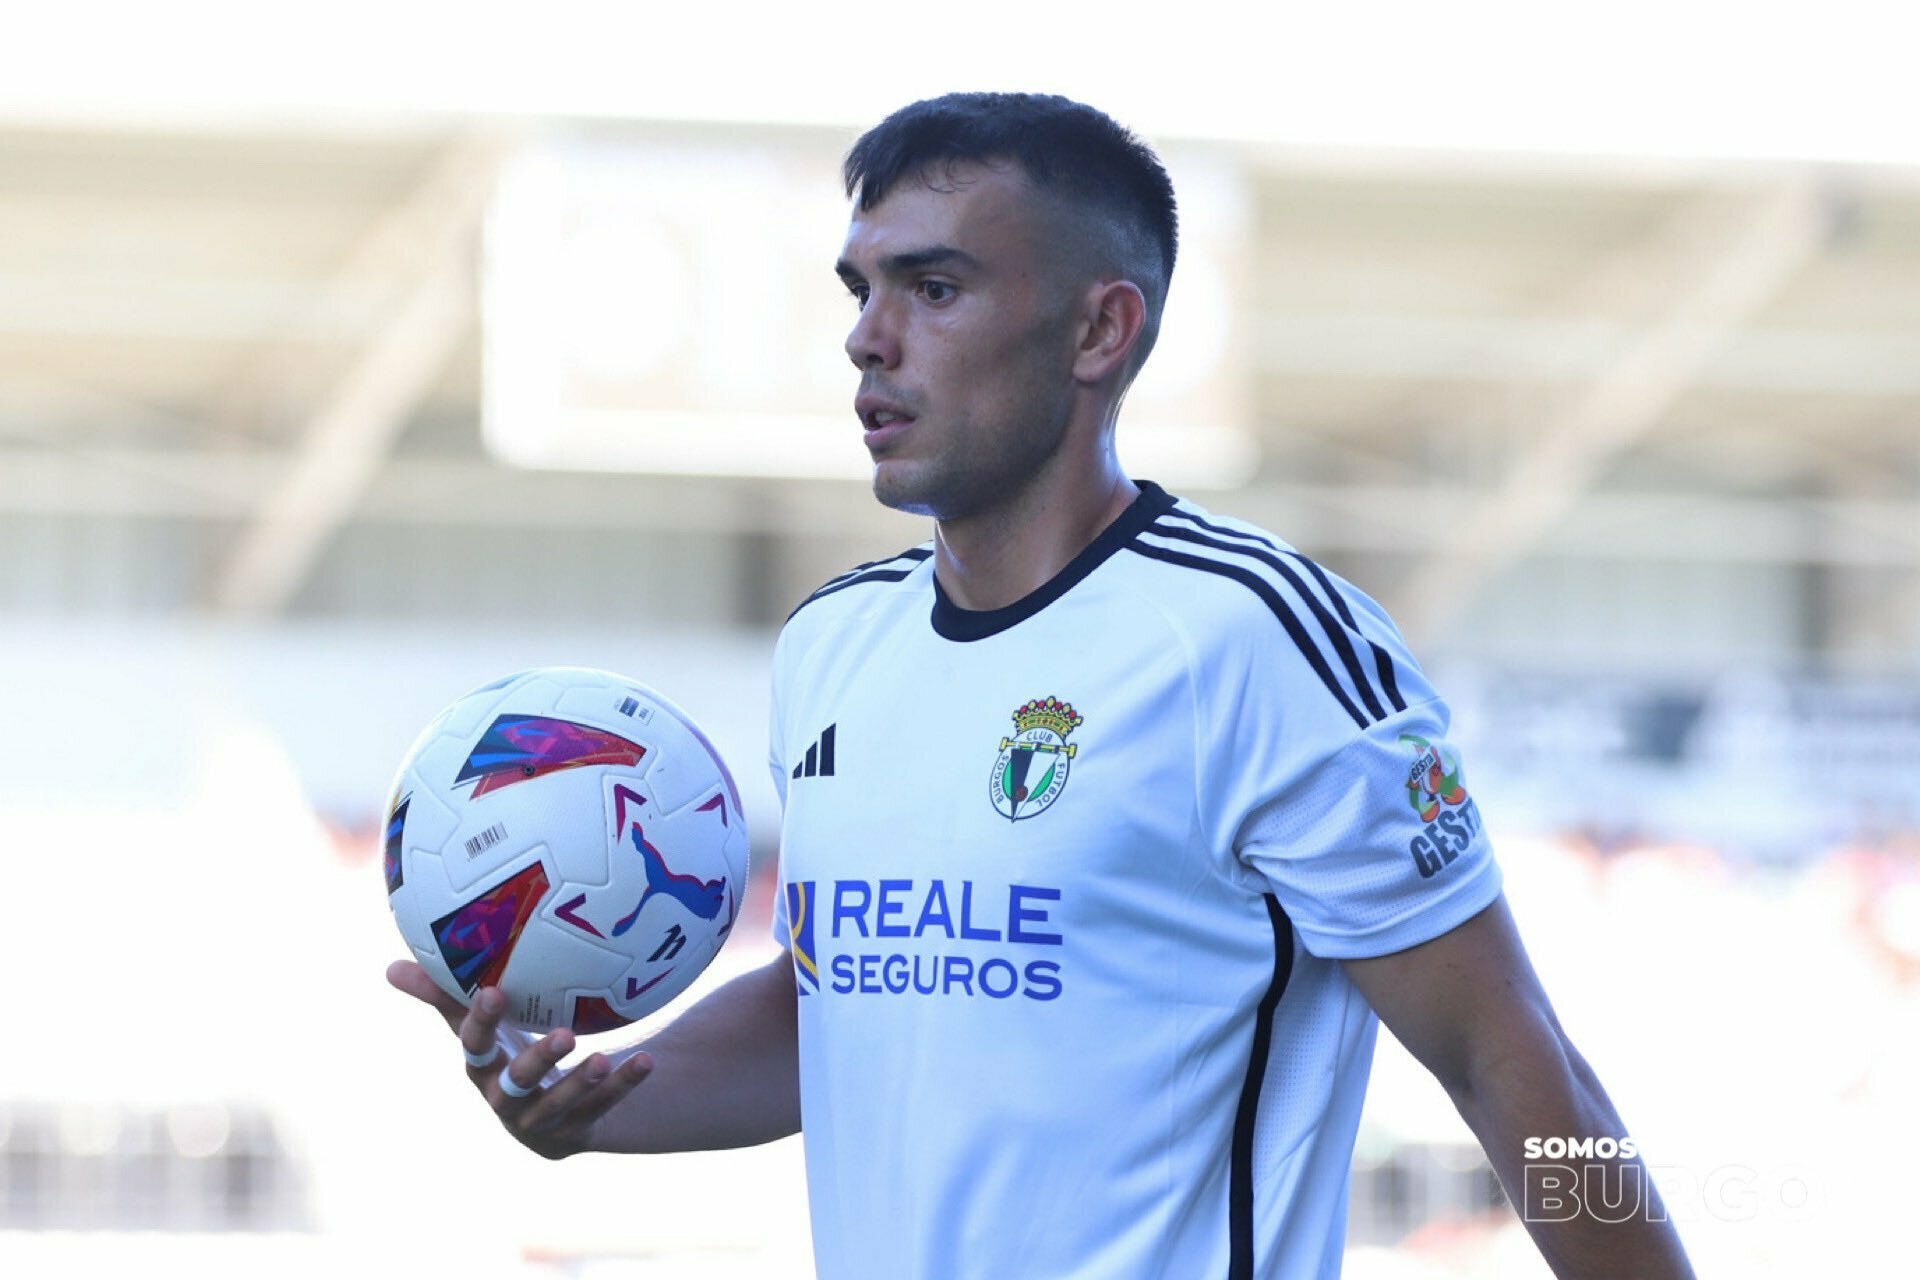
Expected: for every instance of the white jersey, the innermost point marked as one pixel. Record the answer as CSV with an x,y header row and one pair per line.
x,y
1064,885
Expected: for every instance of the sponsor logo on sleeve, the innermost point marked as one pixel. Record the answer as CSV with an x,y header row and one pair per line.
x,y
1450,821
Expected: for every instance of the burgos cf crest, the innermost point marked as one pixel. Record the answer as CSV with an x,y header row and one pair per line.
x,y
1031,770
1434,777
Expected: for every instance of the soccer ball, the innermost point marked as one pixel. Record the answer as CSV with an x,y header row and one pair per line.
x,y
571,837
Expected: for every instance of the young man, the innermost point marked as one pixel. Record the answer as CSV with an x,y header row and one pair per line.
x,y
1136,817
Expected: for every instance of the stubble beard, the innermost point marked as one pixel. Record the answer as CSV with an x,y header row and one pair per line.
x,y
976,473
977,466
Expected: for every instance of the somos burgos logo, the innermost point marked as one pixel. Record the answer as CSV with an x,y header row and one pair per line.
x,y
1602,1178
1580,1148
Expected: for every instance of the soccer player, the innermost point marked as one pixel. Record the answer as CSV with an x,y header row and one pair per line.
x,y
1111,825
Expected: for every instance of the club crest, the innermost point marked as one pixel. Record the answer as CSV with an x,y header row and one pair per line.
x,y
1032,767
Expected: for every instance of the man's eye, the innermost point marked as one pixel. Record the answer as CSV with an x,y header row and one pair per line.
x,y
936,290
859,292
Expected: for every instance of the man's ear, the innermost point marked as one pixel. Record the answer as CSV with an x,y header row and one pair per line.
x,y
1113,312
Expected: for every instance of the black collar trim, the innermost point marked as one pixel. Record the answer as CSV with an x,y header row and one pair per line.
x,y
951,622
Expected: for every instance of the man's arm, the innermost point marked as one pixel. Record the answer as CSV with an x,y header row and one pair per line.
x,y
723,1074
1469,1006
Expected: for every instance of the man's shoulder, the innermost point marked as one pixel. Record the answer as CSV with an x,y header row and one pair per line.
x,y
854,589
1250,601
1201,557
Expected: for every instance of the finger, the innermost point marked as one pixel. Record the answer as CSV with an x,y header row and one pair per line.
x,y
607,1090
479,1029
529,1067
617,1084
559,1103
587,1092
408,976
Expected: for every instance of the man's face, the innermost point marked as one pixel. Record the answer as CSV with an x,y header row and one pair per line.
x,y
964,341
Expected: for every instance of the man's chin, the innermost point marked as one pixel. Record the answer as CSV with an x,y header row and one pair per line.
x,y
898,492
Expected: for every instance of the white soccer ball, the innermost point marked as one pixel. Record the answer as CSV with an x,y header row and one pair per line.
x,y
571,837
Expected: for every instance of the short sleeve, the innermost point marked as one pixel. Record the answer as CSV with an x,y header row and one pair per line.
x,y
1376,845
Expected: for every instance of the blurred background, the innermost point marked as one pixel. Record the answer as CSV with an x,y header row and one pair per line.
x,y
352,357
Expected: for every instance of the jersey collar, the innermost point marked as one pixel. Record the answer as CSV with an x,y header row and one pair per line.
x,y
951,622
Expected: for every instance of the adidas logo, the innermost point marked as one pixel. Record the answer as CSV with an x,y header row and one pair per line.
x,y
819,761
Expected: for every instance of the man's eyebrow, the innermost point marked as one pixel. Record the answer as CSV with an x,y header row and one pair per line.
x,y
911,260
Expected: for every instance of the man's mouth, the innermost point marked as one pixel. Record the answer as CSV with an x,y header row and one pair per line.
x,y
880,420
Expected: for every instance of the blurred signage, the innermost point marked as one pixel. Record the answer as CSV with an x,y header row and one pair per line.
x,y
671,306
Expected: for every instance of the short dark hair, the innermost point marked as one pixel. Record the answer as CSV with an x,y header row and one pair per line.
x,y
1094,165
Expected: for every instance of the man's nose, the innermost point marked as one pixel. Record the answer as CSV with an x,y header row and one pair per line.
x,y
874,340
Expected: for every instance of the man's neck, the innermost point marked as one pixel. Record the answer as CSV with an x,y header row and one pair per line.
x,y
993,559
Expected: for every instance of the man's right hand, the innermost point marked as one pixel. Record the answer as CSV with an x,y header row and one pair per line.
x,y
554,1120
